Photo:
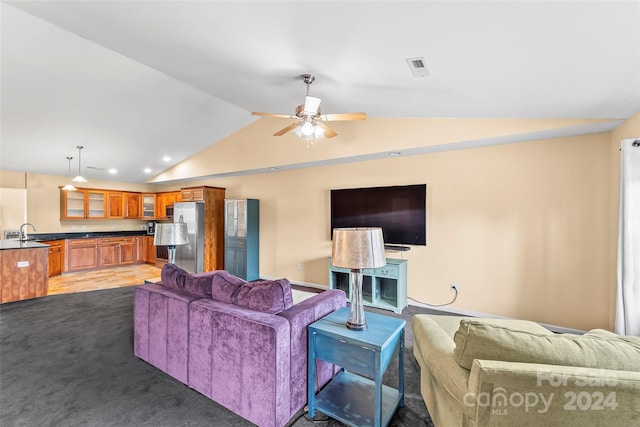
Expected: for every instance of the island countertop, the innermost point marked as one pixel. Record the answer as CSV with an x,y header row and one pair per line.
x,y
17,244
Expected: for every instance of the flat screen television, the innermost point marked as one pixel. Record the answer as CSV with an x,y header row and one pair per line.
x,y
400,210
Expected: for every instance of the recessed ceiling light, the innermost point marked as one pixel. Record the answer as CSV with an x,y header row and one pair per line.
x,y
113,171
166,158
147,170
395,153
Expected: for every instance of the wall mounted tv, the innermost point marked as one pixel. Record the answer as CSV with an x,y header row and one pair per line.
x,y
400,211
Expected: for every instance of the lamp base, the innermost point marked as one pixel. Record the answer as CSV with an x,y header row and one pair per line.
x,y
356,326
356,320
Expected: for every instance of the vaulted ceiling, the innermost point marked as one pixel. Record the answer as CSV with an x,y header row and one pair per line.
x,y
135,81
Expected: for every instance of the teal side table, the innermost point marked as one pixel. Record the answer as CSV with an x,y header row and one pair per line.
x,y
356,396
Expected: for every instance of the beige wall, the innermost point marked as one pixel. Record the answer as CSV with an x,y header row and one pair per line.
x,y
525,230
522,229
43,203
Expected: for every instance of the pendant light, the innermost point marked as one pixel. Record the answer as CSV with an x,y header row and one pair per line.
x,y
79,178
69,187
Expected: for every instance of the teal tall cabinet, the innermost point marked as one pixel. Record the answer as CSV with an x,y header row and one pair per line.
x,y
242,238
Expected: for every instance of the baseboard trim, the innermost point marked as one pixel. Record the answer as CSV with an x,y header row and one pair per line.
x,y
449,310
459,312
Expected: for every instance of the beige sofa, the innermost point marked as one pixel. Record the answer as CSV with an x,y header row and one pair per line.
x,y
502,372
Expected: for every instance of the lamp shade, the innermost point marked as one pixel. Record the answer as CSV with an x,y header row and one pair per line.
x,y
358,248
171,234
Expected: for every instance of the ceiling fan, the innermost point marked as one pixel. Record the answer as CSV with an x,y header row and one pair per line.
x,y
310,120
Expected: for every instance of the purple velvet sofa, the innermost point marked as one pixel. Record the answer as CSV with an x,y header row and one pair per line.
x,y
242,344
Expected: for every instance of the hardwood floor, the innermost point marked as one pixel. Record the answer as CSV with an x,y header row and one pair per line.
x,y
103,279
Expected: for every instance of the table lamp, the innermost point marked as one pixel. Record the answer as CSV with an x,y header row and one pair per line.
x,y
357,249
171,234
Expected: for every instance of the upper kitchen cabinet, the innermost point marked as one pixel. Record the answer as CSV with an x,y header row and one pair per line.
x,y
115,204
84,203
148,206
166,199
122,204
132,204
193,194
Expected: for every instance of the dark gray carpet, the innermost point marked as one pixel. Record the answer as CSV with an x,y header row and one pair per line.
x,y
67,360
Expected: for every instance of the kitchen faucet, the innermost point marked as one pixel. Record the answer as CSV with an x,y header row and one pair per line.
x,y
23,236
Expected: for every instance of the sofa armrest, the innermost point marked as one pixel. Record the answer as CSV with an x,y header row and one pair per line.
x,y
160,328
510,393
299,317
240,358
443,382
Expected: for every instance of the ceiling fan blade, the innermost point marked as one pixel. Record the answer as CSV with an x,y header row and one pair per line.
x,y
285,130
328,132
257,113
343,116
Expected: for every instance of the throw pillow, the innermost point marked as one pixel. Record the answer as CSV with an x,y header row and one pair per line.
x,y
175,277
225,286
198,284
477,340
267,296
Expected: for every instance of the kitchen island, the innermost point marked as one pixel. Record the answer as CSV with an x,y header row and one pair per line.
x,y
24,268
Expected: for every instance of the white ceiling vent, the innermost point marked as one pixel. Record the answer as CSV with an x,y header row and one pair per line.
x,y
418,67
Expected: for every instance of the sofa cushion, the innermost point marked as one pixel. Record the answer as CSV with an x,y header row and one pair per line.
x,y
175,277
225,286
268,296
478,340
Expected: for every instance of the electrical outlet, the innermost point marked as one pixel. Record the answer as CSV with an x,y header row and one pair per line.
x,y
299,267
453,288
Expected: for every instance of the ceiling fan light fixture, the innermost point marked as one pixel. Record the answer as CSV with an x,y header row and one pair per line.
x,y
307,129
309,124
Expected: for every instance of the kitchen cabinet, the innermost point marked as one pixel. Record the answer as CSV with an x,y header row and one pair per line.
x,y
87,203
140,244
165,199
242,238
122,204
83,203
213,198
81,254
192,194
148,206
23,272
116,251
56,257
150,250
132,206
115,204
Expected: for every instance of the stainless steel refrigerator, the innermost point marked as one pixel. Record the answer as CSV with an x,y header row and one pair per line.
x,y
190,257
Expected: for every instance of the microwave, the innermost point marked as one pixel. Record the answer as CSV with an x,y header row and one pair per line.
x,y
169,212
